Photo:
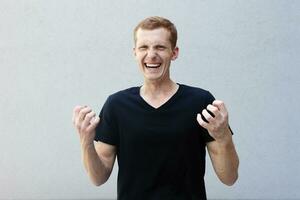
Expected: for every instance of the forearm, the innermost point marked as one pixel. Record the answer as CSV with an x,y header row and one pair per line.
x,y
225,159
94,166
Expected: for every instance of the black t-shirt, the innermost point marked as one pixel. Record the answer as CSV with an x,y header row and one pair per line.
x,y
160,151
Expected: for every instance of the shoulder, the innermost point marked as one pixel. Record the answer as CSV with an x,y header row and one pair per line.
x,y
118,99
196,95
123,94
196,92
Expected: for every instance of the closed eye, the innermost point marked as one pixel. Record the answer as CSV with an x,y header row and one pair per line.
x,y
143,47
160,47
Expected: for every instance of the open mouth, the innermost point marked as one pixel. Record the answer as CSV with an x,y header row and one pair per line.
x,y
152,65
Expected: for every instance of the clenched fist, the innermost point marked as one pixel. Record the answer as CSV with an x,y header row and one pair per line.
x,y
85,122
216,123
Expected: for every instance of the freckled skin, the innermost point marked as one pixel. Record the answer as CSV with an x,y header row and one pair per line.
x,y
154,47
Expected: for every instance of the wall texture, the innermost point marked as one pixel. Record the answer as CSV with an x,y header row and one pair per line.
x,y
57,54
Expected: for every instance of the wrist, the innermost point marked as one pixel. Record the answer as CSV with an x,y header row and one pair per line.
x,y
226,139
87,144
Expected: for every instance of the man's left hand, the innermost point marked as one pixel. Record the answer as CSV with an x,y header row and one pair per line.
x,y
217,125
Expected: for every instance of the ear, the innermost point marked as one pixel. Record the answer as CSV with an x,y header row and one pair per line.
x,y
134,53
175,53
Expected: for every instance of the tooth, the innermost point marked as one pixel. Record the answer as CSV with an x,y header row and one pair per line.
x,y
152,65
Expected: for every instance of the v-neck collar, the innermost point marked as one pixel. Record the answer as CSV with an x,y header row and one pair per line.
x,y
169,101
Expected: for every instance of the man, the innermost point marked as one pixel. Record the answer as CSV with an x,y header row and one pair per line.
x,y
158,131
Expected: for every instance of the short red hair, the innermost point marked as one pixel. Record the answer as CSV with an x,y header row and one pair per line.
x,y
155,22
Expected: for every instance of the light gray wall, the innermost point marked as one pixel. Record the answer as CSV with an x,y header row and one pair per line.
x,y
57,54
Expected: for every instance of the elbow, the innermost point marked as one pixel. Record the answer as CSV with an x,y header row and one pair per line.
x,y
231,178
230,181
98,182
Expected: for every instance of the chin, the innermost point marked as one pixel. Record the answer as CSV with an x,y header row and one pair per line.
x,y
153,78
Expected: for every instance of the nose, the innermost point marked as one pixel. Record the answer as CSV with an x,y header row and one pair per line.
x,y
152,54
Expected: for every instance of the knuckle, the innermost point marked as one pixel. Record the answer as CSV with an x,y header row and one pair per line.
x,y
84,110
210,108
200,120
76,108
97,120
219,102
202,123
209,117
213,109
89,115
81,112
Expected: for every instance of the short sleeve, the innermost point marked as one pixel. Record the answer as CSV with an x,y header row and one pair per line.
x,y
107,130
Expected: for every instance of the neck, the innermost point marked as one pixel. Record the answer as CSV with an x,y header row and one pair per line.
x,y
158,87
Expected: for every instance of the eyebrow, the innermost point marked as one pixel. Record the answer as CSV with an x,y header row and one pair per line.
x,y
160,45
155,46
142,46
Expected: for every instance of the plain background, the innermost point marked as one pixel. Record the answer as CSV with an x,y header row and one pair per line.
x,y
57,54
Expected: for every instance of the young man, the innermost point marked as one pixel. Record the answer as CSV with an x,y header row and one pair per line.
x,y
156,130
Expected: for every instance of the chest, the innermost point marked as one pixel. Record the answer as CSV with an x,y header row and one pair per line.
x,y
163,128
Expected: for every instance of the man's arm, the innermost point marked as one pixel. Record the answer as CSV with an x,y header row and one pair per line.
x,y
222,151
98,157
224,159
98,160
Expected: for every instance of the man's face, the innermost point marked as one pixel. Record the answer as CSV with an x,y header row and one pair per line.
x,y
153,52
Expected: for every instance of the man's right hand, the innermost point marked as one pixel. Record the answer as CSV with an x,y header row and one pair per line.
x,y
85,122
